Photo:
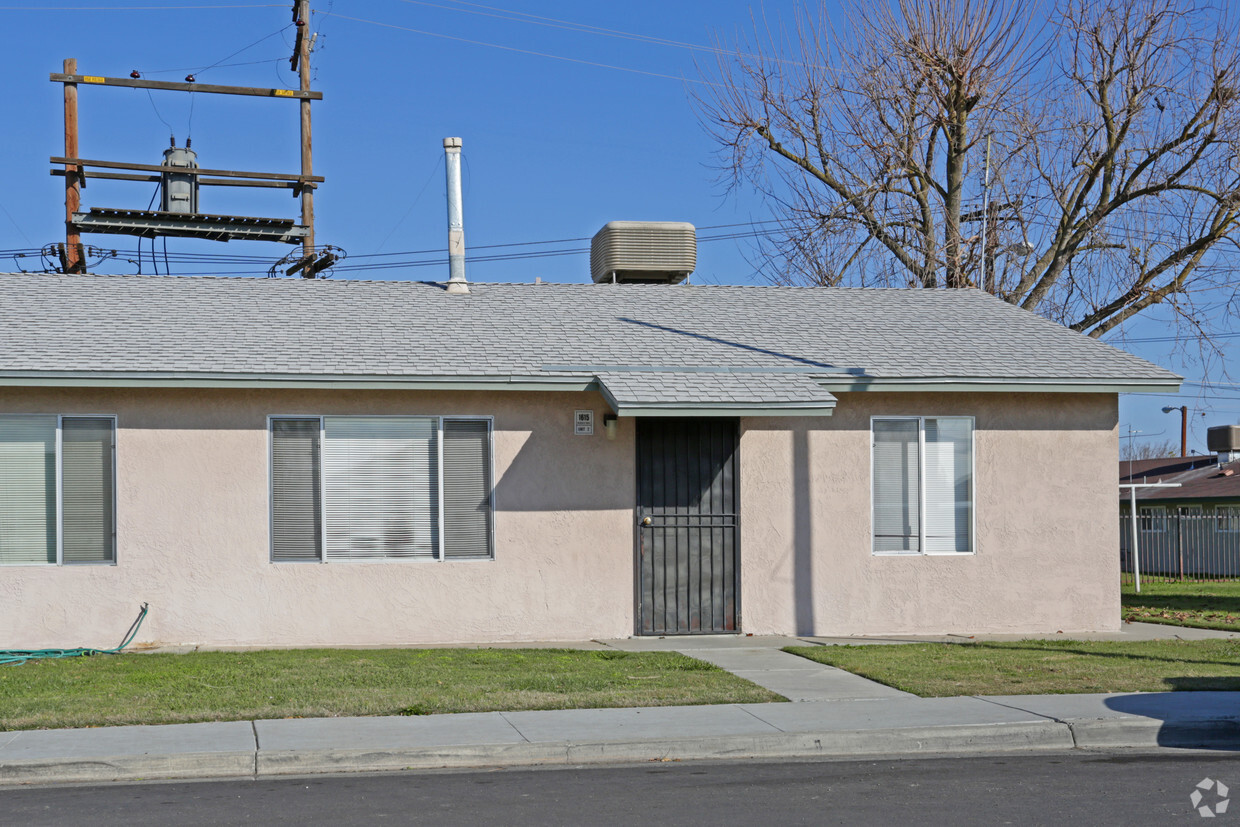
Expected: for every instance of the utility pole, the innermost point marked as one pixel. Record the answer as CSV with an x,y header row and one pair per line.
x,y
191,223
990,231
988,257
73,259
301,16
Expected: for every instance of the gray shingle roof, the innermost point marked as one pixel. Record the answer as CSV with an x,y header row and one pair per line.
x,y
126,325
1200,478
641,389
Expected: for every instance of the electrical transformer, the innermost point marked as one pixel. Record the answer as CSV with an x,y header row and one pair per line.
x,y
180,190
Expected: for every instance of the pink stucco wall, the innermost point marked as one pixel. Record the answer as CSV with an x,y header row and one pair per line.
x,y
1046,551
192,506
192,530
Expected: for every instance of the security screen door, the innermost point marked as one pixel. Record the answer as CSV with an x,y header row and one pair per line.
x,y
687,507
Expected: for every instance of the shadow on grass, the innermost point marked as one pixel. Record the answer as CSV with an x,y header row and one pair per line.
x,y
1206,684
1184,603
1229,658
1233,662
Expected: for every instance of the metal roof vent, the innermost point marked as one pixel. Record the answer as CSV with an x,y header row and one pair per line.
x,y
643,252
1224,440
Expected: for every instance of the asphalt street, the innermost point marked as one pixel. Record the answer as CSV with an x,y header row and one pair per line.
x,y
1095,789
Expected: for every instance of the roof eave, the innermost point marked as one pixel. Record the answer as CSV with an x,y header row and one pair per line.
x,y
723,409
563,382
973,384
95,379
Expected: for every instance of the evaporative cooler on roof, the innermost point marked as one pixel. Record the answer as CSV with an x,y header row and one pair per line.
x,y
643,252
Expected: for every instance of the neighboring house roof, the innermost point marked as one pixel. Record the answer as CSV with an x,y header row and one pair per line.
x,y
1200,477
775,347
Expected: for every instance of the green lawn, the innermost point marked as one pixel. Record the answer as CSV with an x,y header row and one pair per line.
x,y
1032,667
109,690
1203,605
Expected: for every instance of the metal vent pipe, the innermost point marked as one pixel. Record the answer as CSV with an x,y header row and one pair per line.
x,y
456,218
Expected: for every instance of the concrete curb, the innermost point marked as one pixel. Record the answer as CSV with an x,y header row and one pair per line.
x,y
911,741
1145,733
128,768
902,742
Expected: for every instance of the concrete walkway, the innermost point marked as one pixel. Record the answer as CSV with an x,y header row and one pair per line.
x,y
837,714
759,659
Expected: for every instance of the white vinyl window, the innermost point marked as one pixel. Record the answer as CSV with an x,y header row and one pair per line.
x,y
1227,519
380,488
57,490
1152,519
922,484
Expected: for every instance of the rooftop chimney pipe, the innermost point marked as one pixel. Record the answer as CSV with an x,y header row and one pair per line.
x,y
456,218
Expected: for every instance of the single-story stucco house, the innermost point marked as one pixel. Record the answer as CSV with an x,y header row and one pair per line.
x,y
289,462
1191,530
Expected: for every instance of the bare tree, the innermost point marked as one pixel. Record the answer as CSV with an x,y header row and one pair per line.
x,y
1085,169
1150,450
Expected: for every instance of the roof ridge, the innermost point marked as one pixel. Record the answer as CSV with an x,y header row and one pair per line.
x,y
936,291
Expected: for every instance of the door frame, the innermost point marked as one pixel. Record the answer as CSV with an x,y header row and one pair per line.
x,y
637,531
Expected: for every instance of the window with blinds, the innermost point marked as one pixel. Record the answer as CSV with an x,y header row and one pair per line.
x,y
351,488
296,490
897,486
57,490
467,488
922,488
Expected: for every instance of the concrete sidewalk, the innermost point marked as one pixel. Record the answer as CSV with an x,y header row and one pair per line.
x,y
833,714
887,727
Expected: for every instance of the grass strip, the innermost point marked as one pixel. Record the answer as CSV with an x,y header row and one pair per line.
x,y
1040,667
312,683
1199,605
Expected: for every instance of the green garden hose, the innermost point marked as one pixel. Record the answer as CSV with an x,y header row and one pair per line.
x,y
12,657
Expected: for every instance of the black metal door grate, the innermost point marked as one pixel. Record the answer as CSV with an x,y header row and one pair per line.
x,y
687,508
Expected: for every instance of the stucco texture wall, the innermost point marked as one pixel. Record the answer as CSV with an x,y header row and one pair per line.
x,y
192,503
192,509
1046,546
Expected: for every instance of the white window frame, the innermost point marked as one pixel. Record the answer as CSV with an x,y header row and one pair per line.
x,y
439,551
921,482
60,492
1227,519
1152,519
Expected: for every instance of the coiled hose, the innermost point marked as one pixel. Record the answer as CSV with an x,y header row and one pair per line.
x,y
12,657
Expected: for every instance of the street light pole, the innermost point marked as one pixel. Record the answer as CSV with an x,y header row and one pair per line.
x,y
1183,409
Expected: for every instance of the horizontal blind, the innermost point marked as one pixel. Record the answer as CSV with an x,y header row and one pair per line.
x,y
467,488
897,485
949,484
381,487
27,489
87,496
296,472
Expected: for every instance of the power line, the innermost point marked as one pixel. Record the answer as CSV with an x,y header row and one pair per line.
x,y
142,8
219,63
556,23
587,28
413,203
515,49
1125,340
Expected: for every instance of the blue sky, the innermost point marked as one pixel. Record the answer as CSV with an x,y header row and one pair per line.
x,y
555,145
